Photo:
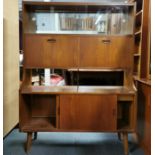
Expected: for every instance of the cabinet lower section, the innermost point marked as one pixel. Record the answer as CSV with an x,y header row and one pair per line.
x,y
77,112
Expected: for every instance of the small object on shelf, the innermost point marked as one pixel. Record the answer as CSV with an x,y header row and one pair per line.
x,y
47,77
57,80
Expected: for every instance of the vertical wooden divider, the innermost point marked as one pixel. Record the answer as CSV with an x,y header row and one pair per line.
x,y
57,111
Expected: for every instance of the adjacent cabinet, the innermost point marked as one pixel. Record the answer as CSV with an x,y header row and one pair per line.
x,y
92,45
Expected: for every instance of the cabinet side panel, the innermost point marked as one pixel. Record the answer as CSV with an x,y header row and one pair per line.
x,y
144,116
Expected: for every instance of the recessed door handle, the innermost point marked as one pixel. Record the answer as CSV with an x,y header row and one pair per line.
x,y
51,40
106,41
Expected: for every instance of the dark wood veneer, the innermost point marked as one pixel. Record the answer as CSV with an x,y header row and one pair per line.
x,y
76,107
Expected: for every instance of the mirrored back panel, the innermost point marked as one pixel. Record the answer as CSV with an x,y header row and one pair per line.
x,y
74,77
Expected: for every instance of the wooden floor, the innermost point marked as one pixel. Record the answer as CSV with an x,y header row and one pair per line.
x,y
68,144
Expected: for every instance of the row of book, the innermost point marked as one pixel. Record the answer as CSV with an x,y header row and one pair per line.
x,y
109,23
87,23
113,23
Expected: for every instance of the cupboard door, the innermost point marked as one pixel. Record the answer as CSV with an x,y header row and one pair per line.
x,y
106,51
88,112
60,51
33,51
54,51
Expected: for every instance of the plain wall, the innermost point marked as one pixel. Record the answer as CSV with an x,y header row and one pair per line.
x,y
11,65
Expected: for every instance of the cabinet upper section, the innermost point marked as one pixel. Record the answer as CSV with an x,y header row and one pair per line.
x,y
87,17
67,51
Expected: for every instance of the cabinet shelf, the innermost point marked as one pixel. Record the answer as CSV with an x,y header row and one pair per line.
x,y
49,89
138,32
76,90
39,4
93,70
139,12
135,77
105,90
41,124
78,34
137,55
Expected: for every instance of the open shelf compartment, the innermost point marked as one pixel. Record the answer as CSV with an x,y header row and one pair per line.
x,y
125,117
39,112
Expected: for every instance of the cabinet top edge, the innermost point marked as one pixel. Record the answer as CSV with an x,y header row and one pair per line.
x,y
95,35
75,3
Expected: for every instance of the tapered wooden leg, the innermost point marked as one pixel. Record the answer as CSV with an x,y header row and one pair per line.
x,y
35,136
120,136
29,141
125,142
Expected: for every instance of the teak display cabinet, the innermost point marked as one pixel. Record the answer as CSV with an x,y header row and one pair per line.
x,y
92,43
